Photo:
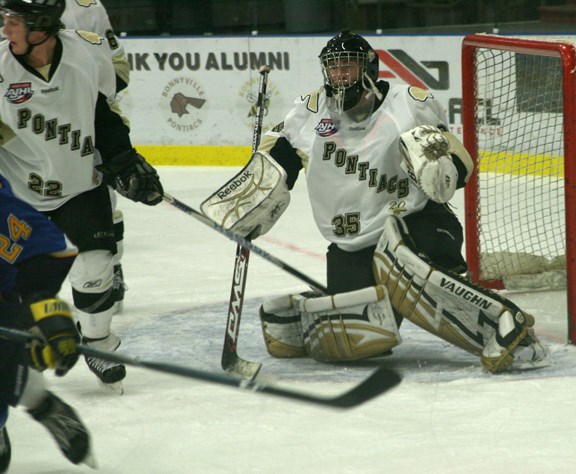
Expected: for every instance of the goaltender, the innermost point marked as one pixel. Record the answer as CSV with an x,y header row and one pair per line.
x,y
380,169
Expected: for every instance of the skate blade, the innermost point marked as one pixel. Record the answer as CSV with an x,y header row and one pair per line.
x,y
117,388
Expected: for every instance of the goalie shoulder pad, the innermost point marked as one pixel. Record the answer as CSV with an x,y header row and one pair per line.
x,y
251,202
426,159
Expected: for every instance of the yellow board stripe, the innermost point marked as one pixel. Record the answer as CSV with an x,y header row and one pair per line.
x,y
522,164
502,162
175,155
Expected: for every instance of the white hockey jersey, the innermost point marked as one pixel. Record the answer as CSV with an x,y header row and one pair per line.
x,y
353,169
47,131
88,15
91,15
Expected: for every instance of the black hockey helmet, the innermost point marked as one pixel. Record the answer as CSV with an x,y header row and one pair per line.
x,y
341,49
39,15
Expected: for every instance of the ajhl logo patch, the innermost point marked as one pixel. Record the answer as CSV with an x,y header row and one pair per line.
x,y
19,92
326,127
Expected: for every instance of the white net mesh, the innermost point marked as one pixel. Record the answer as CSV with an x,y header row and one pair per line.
x,y
519,120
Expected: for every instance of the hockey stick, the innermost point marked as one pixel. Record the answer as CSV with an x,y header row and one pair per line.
x,y
379,382
242,241
231,362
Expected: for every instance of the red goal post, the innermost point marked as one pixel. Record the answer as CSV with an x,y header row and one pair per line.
x,y
519,121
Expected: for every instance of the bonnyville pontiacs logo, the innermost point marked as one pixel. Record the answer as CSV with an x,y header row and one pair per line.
x,y
182,101
248,99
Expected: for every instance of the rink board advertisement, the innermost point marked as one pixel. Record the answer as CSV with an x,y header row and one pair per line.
x,y
192,100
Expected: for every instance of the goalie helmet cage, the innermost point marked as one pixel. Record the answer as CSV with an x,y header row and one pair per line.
x,y
519,121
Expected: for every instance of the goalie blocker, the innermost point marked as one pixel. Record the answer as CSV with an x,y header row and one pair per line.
x,y
361,324
251,202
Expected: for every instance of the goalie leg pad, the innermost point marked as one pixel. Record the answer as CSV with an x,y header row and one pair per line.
x,y
441,304
282,328
514,345
337,332
252,201
476,320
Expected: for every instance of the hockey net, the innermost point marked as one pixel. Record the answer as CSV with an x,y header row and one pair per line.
x,y
519,119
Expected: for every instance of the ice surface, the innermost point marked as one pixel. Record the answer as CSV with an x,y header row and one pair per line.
x,y
447,416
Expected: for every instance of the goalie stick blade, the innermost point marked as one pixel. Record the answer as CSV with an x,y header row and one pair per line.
x,y
233,364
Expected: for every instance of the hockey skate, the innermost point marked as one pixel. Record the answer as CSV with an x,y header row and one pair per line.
x,y
514,345
110,374
118,289
5,450
66,428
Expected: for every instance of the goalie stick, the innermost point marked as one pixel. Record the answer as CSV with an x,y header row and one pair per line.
x,y
231,362
242,241
379,382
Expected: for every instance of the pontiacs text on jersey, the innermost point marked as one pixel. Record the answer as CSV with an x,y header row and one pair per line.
x,y
20,93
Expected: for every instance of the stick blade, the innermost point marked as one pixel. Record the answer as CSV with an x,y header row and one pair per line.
x,y
238,367
379,382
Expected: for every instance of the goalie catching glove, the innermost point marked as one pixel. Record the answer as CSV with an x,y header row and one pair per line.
x,y
253,200
55,345
427,161
133,177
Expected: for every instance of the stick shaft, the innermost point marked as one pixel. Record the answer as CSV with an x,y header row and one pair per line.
x,y
380,381
242,241
231,361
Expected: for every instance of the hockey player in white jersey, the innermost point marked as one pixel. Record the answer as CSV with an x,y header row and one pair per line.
x,y
58,136
380,169
91,15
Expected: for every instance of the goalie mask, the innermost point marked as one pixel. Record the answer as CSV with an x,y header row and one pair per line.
x,y
39,15
350,67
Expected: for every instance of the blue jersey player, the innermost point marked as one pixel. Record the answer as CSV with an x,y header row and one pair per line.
x,y
35,258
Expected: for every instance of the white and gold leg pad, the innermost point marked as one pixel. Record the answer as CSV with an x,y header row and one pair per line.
x,y
514,345
282,328
468,316
343,327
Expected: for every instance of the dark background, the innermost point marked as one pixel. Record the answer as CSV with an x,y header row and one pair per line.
x,y
225,17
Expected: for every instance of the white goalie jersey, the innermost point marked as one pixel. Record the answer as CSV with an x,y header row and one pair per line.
x,y
52,157
353,169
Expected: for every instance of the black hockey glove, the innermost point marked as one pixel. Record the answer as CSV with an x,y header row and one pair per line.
x,y
134,178
56,348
